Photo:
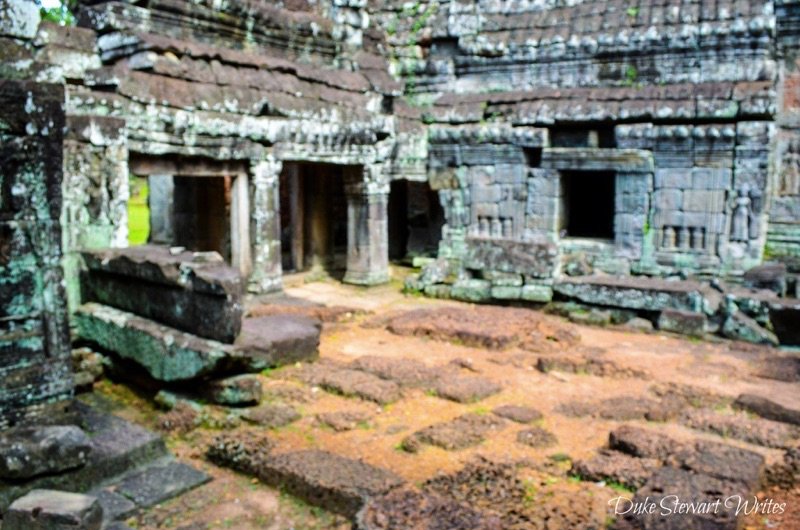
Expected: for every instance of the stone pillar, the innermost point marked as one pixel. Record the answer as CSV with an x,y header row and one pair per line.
x,y
367,229
265,226
161,190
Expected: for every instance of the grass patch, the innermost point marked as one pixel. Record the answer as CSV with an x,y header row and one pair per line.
x,y
138,212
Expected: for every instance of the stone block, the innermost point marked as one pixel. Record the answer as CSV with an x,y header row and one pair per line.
x,y
26,452
504,279
186,291
472,290
683,322
54,510
280,339
506,292
704,200
679,178
166,354
650,294
668,199
159,482
766,408
236,390
537,293
19,19
739,326
532,259
770,276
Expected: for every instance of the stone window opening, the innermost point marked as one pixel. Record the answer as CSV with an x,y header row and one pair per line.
x,y
588,204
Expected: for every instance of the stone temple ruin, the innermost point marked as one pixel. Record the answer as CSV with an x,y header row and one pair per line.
x,y
625,159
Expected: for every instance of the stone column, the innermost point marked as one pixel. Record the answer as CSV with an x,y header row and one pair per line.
x,y
367,228
265,226
159,200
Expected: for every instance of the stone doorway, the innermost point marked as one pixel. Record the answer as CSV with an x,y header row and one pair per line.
x,y
313,217
198,204
416,218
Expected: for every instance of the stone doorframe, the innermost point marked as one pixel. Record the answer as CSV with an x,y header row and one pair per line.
x,y
241,254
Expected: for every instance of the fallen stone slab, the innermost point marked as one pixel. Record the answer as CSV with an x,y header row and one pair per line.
x,y
537,438
770,276
767,408
669,485
464,431
360,384
321,478
689,395
626,408
642,443
467,389
184,290
169,355
411,509
235,391
159,482
115,506
618,467
780,368
404,372
739,326
345,420
639,293
54,510
518,413
739,426
279,340
272,415
683,322
26,452
489,327
722,461
583,364
165,353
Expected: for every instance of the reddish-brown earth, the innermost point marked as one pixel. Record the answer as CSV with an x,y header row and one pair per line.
x,y
399,369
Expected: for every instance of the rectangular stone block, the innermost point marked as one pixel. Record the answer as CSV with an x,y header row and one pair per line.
x,y
683,322
704,178
679,178
703,200
537,293
668,199
533,259
54,510
506,292
195,295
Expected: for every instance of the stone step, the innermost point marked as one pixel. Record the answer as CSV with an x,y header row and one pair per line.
x,y
117,446
145,487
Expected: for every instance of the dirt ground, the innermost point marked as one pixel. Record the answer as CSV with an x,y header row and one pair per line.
x,y
571,419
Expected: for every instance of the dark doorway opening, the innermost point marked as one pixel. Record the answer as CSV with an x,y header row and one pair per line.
x,y
201,212
313,217
416,219
588,204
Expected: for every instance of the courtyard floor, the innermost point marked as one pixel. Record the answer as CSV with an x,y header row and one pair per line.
x,y
475,386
